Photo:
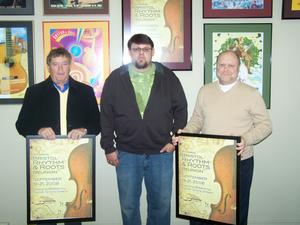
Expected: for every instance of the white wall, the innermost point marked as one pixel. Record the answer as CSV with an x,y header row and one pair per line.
x,y
275,197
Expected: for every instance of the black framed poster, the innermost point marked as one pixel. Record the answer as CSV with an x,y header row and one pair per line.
x,y
60,179
207,178
16,60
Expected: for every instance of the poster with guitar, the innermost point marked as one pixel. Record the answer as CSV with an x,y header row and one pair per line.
x,y
16,63
207,178
88,42
167,22
60,179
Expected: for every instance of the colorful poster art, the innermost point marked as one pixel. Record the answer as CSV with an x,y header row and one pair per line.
x,y
60,179
237,8
16,65
76,3
207,178
237,4
88,43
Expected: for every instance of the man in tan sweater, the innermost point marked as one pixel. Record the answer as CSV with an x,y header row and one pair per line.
x,y
229,107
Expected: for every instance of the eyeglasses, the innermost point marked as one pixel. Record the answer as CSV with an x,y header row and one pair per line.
x,y
139,50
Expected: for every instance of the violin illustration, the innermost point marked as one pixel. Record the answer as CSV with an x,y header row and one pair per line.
x,y
80,171
174,21
224,165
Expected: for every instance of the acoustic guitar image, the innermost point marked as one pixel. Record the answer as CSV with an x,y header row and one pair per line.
x,y
13,77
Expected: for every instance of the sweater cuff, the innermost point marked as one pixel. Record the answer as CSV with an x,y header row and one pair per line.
x,y
109,150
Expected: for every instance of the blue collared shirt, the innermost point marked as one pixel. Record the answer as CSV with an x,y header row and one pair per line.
x,y
66,86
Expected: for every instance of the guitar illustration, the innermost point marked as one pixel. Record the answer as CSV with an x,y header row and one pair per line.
x,y
13,77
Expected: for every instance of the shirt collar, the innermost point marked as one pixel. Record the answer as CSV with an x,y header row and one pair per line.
x,y
65,87
227,87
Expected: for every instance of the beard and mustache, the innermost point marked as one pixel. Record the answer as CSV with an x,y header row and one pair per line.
x,y
141,64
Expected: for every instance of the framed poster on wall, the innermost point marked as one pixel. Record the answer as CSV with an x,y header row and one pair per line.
x,y
60,179
207,178
252,42
167,23
76,7
290,9
17,7
16,60
237,9
88,42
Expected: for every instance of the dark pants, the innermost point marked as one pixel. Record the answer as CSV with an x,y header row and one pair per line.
x,y
246,174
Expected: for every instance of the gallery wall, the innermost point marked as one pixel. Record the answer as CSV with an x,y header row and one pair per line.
x,y
275,191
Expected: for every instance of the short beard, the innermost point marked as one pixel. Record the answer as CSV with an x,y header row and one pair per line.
x,y
141,66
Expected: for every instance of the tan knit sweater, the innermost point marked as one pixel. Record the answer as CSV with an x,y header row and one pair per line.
x,y
240,111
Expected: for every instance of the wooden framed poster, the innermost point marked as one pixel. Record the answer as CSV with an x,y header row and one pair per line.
x,y
88,43
167,23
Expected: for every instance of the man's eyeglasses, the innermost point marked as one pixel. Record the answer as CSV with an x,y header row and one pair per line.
x,y
139,50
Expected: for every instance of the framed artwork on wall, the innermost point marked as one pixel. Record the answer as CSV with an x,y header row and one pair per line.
x,y
76,6
237,8
17,7
60,179
252,42
88,42
167,23
290,9
207,178
16,60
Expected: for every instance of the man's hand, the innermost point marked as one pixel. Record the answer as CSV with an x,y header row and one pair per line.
x,y
77,133
168,148
175,139
112,158
47,133
240,147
